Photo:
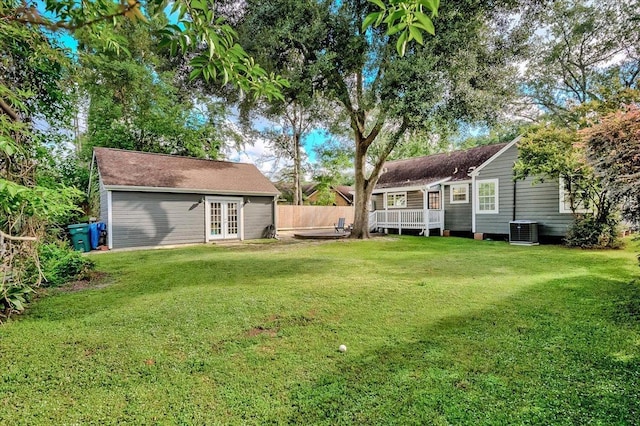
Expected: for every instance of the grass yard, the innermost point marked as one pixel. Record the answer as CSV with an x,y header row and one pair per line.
x,y
438,330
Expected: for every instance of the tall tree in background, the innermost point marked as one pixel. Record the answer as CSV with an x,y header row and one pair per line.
x,y
459,74
273,33
134,103
583,52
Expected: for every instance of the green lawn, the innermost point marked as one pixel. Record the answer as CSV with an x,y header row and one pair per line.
x,y
438,330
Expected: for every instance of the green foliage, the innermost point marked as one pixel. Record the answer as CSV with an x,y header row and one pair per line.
x,y
134,102
59,264
589,233
407,18
581,53
550,152
614,149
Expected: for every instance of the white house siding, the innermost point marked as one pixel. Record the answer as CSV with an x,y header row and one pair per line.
x,y
146,219
539,202
457,217
258,215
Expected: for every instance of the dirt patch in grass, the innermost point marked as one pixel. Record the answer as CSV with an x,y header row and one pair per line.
x,y
95,280
257,331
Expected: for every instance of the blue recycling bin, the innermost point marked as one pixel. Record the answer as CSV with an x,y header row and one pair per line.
x,y
94,233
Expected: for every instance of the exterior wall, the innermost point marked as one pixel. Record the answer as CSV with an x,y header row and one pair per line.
x,y
104,208
457,217
415,200
258,215
538,202
145,219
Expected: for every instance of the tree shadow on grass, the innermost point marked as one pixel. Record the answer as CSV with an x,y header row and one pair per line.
x,y
554,354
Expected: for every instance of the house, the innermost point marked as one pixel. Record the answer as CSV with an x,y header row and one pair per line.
x,y
310,193
466,192
155,199
343,194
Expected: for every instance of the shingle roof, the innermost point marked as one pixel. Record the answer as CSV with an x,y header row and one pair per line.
x,y
454,165
141,169
345,191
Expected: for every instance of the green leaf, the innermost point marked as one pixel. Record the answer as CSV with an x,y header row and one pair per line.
x,y
370,19
416,34
379,3
396,28
426,22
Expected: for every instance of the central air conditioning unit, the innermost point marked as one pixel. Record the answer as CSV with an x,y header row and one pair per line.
x,y
523,232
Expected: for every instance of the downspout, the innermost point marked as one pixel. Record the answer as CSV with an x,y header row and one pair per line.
x,y
515,187
473,203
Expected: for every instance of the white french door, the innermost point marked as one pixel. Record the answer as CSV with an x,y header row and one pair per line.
x,y
223,218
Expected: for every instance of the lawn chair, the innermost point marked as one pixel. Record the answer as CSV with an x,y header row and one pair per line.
x,y
340,226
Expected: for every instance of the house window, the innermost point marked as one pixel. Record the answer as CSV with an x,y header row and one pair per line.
x,y
487,196
565,200
459,194
397,200
434,201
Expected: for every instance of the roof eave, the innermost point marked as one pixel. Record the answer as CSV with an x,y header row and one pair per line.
x,y
410,188
493,157
186,190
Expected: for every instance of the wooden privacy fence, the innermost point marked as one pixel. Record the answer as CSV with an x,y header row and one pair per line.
x,y
306,217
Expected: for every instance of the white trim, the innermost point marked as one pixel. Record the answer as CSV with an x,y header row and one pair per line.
x,y
493,157
562,202
476,191
458,182
409,188
207,216
466,194
109,220
473,204
394,206
185,190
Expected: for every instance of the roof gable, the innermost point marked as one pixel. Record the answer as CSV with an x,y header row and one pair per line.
x,y
121,168
453,166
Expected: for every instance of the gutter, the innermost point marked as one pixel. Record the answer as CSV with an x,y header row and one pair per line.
x,y
186,190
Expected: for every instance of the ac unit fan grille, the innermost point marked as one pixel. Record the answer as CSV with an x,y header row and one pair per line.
x,y
523,232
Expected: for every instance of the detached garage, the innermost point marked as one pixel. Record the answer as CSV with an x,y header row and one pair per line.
x,y
150,200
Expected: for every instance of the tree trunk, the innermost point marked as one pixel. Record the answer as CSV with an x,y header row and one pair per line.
x,y
297,187
362,192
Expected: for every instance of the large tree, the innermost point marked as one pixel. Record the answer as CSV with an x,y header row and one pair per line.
x,y
613,147
457,75
582,52
134,102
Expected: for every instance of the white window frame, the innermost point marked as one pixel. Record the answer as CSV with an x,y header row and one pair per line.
x,y
565,204
466,194
394,195
479,182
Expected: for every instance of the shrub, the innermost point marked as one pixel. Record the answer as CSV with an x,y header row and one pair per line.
x,y
587,232
60,264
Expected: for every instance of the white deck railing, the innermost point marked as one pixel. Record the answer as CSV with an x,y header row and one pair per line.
x,y
407,219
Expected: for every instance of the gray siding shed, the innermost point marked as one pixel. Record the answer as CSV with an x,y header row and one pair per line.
x,y
258,215
143,219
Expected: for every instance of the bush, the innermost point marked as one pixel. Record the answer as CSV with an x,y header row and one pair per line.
x,y
60,264
589,233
